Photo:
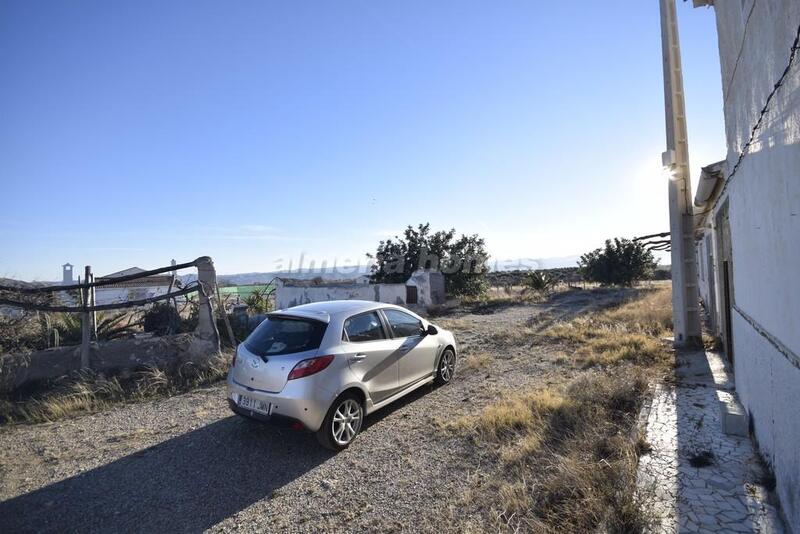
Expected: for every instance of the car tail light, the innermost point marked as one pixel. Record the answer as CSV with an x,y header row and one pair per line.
x,y
310,366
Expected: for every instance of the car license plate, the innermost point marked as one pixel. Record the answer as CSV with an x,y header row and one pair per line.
x,y
249,403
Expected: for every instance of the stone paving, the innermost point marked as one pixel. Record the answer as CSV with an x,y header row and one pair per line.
x,y
695,478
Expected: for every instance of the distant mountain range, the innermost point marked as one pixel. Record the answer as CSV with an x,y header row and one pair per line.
x,y
241,279
344,273
541,263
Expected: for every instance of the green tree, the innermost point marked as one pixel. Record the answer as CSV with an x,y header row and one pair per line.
x,y
462,261
621,262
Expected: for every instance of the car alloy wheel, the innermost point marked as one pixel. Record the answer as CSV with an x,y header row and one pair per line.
x,y
346,422
447,367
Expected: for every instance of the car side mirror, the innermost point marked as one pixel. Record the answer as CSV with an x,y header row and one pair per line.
x,y
431,330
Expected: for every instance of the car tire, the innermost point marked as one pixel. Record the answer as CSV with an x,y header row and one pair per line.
x,y
342,423
445,367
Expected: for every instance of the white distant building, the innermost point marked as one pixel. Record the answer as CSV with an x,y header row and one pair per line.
x,y
423,289
748,229
66,274
140,288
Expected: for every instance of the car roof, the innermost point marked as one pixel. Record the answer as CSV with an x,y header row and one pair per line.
x,y
323,311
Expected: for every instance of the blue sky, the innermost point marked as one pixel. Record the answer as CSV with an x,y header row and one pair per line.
x,y
132,133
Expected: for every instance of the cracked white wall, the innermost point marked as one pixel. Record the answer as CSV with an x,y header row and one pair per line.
x,y
764,207
289,296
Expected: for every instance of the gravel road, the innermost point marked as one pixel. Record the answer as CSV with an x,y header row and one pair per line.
x,y
187,464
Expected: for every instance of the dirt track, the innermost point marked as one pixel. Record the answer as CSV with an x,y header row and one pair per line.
x,y
187,464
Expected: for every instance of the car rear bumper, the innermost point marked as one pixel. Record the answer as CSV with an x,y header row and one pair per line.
x,y
296,403
274,419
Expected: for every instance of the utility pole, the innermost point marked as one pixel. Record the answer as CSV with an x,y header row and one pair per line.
x,y
685,299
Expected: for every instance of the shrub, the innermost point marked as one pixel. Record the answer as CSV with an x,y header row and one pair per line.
x,y
22,334
621,262
39,330
541,282
161,319
462,261
258,301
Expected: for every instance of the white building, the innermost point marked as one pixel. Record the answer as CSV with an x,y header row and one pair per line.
x,y
422,290
140,288
748,228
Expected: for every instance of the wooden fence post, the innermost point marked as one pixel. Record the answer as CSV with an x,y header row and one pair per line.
x,y
86,319
93,300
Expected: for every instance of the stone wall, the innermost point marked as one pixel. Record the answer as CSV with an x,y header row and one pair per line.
x,y
111,357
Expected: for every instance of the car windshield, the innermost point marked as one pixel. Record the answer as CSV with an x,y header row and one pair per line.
x,y
284,335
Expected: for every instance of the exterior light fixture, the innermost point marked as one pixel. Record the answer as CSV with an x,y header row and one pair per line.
x,y
670,163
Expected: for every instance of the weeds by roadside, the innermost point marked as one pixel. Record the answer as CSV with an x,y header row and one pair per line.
x,y
631,332
88,392
565,459
507,296
476,362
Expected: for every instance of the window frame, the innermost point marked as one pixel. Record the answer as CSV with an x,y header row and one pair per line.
x,y
381,319
389,327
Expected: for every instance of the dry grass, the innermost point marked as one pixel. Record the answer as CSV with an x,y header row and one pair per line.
x,y
502,296
476,362
512,335
612,350
630,332
90,392
561,359
455,323
564,460
567,458
511,415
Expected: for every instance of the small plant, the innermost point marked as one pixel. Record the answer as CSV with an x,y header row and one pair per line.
x,y
540,282
476,362
22,334
67,328
258,301
161,319
189,316
116,326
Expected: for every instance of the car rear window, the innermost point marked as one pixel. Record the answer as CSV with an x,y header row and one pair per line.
x,y
278,335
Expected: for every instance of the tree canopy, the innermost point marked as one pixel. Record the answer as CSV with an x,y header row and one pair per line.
x,y
461,260
621,262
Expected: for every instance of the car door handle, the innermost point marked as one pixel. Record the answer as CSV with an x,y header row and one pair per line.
x,y
358,357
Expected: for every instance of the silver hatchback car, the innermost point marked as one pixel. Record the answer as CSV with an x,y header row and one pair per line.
x,y
324,366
